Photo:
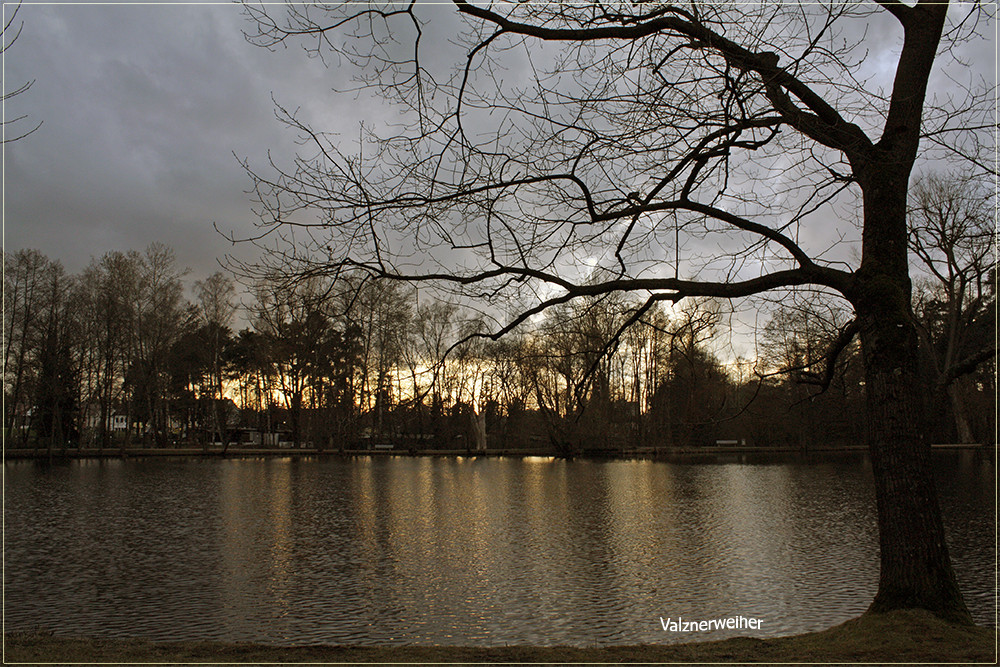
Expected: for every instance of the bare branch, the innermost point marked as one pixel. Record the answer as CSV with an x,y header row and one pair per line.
x,y
844,338
965,366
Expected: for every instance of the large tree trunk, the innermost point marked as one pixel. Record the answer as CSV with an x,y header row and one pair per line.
x,y
916,570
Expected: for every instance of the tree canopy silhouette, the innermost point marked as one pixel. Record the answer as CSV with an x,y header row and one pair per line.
x,y
563,151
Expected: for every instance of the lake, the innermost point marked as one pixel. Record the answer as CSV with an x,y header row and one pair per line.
x,y
466,551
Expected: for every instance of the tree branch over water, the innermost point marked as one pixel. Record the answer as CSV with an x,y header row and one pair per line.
x,y
542,154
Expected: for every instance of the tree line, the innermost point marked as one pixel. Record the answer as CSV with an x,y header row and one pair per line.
x,y
118,356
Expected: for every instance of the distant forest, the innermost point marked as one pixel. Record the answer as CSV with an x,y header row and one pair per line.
x,y
116,356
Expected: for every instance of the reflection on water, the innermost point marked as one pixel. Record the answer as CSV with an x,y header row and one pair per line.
x,y
458,551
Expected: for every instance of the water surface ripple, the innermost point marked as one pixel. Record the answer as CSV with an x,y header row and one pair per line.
x,y
458,551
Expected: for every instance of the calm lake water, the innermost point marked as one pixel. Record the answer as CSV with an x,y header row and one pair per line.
x,y
459,551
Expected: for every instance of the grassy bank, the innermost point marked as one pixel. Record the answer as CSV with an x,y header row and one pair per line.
x,y
902,636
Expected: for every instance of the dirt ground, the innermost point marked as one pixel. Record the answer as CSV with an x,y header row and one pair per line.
x,y
901,636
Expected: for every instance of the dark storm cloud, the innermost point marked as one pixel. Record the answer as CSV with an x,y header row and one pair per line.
x,y
143,108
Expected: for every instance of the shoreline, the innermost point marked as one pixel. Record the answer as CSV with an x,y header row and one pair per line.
x,y
677,454
898,636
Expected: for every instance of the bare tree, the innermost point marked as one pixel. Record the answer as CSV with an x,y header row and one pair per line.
x,y
508,388
25,274
40,341
56,394
107,293
381,313
650,349
279,316
638,136
158,315
805,337
952,234
216,301
431,333
804,342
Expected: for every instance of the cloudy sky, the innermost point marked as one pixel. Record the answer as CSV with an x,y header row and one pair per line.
x,y
145,110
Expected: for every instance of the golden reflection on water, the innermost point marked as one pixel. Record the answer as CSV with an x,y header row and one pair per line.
x,y
281,488
236,540
471,551
366,508
538,459
630,494
257,521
